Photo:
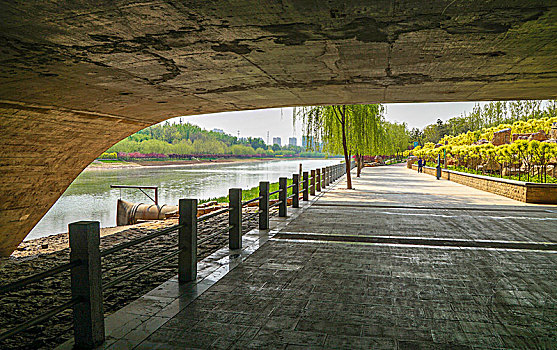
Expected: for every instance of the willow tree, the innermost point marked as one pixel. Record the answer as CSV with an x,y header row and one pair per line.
x,y
397,138
346,129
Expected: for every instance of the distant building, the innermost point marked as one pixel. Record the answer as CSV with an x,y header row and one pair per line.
x,y
277,141
220,131
292,141
310,144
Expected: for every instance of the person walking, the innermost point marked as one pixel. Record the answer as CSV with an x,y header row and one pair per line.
x,y
420,165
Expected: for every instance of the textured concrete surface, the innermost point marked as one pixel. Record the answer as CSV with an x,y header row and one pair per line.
x,y
299,294
141,62
155,59
42,151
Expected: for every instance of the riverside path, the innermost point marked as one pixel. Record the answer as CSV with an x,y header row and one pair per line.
x,y
403,261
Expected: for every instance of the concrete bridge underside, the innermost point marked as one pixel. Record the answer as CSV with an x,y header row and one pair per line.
x,y
76,78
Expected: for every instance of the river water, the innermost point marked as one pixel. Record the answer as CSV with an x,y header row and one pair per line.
x,y
90,197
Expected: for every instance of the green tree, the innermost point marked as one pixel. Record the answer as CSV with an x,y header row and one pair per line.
x,y
344,129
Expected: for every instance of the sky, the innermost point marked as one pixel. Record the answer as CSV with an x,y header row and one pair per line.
x,y
278,121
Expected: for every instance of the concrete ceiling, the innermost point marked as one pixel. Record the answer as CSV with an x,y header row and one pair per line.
x,y
76,77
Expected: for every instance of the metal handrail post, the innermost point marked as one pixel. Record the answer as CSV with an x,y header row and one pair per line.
x,y
235,218
306,186
187,240
283,196
86,284
264,205
312,183
296,190
318,180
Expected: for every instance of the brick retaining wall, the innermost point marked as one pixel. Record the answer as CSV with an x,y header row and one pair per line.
x,y
518,190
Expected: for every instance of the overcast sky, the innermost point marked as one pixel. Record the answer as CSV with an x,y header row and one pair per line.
x,y
278,122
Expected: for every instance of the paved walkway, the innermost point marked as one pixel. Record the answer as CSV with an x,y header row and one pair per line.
x,y
392,264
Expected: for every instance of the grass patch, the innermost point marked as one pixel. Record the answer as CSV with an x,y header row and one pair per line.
x,y
250,193
110,161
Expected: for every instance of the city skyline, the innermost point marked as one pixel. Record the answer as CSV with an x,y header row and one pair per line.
x,y
278,122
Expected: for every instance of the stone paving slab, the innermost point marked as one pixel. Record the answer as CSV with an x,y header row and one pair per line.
x,y
359,296
395,201
514,225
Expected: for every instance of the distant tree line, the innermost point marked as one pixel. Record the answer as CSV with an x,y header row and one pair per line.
x,y
189,139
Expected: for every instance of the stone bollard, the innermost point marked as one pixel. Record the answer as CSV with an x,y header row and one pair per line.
x,y
187,240
235,218
296,191
312,183
283,197
264,205
86,284
306,186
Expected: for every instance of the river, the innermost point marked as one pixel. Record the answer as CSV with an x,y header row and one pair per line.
x,y
90,197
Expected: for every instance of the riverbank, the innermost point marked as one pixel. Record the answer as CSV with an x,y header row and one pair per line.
x,y
90,196
53,243
40,297
120,164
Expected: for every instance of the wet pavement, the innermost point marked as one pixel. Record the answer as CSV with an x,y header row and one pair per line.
x,y
367,269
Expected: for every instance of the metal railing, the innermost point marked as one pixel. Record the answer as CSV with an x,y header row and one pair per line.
x,y
85,254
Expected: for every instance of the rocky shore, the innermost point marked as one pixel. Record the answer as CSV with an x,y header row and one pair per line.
x,y
45,253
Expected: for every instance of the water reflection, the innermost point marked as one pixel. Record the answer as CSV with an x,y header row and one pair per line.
x,y
90,197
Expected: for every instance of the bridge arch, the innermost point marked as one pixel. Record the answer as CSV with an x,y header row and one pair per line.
x,y
76,78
